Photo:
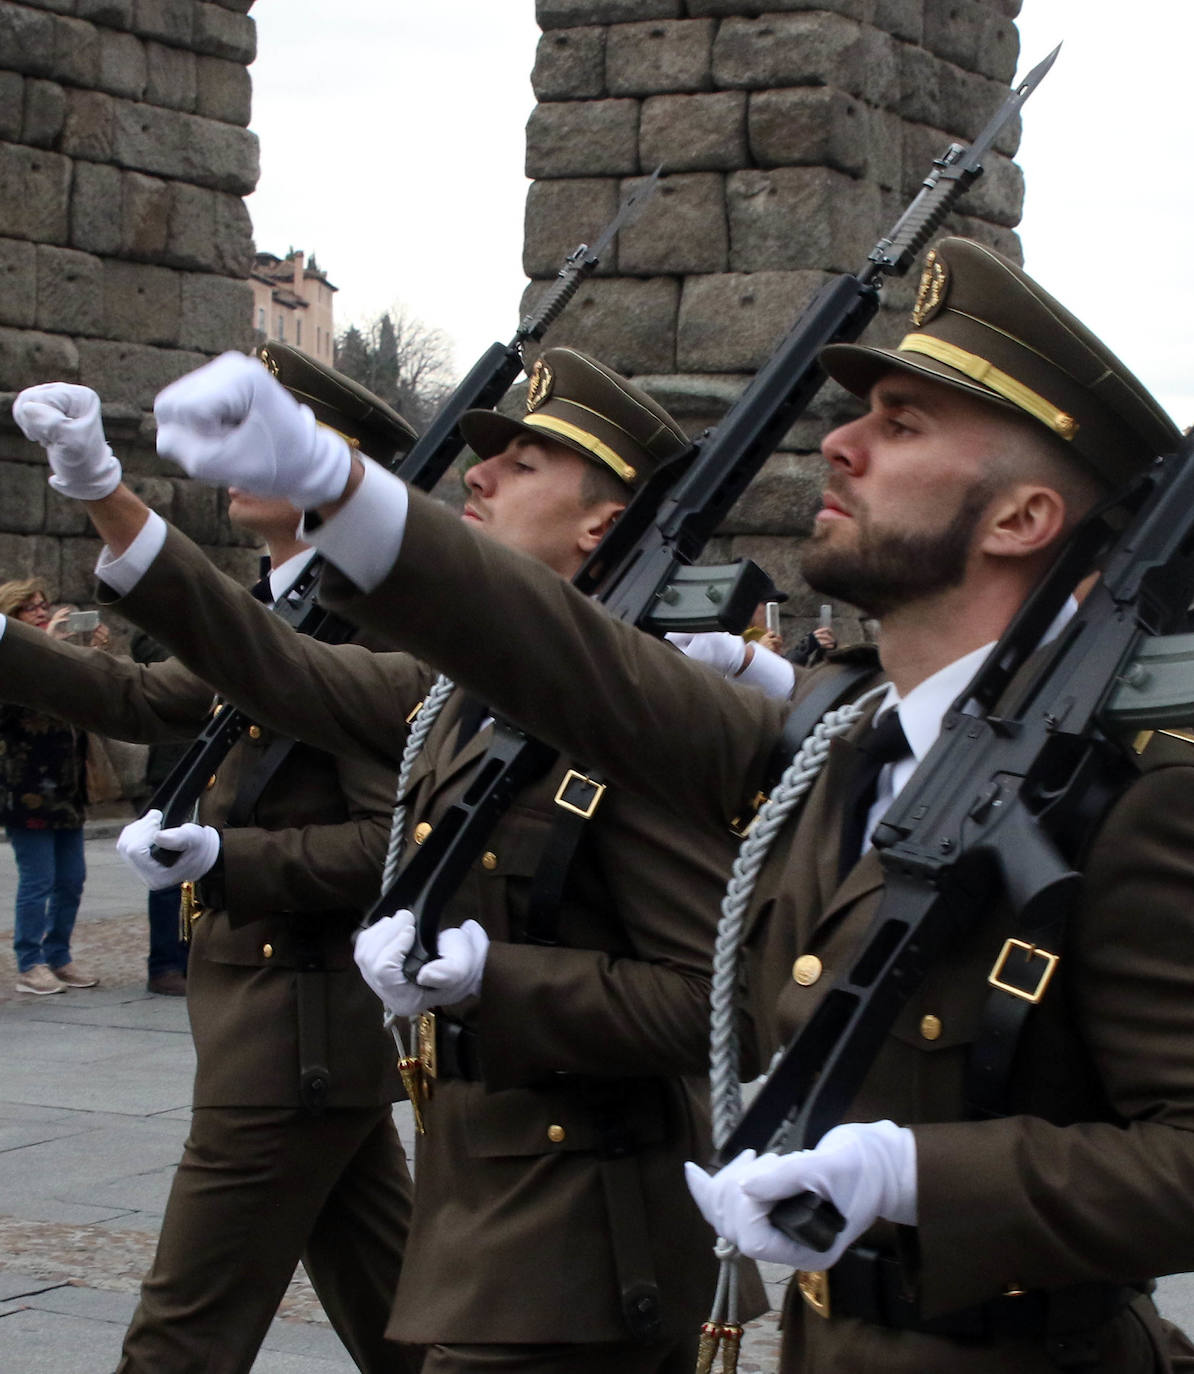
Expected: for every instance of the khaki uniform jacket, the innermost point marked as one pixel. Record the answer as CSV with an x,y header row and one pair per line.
x,y
1091,1178
510,1241
310,860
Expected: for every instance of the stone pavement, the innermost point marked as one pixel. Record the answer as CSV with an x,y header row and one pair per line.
x,y
95,1089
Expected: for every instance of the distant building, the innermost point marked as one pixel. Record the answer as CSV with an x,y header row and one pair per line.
x,y
292,302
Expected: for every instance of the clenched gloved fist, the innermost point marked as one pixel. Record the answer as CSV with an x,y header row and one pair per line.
x,y
65,420
381,951
198,848
232,424
866,1170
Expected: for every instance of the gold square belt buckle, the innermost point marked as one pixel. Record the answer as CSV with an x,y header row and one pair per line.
x,y
425,1035
1033,995
587,791
814,1289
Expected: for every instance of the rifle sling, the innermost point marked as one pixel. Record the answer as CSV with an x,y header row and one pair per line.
x,y
555,863
255,780
830,691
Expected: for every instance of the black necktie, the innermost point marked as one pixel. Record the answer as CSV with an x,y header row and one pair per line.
x,y
883,743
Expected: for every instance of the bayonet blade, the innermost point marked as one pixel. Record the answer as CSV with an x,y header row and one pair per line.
x,y
631,208
1017,97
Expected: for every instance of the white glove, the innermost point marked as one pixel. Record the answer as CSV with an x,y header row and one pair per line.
x,y
456,973
198,847
65,420
232,424
719,650
867,1171
770,672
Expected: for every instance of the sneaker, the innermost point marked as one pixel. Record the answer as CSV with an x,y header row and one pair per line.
x,y
39,981
172,983
74,977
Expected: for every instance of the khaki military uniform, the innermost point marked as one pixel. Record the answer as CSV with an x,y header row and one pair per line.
x,y
515,1234
1087,1181
262,1180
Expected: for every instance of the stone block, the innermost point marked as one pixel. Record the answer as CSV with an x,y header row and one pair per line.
x,y
570,64
28,357
145,210
196,510
998,195
172,144
165,19
663,55
809,125
23,555
76,580
223,91
95,208
238,564
694,133
630,324
806,50
123,64
943,95
221,32
781,500
43,113
723,9
62,515
58,6
142,303
34,194
69,291
27,40
583,138
564,14
23,510
131,374
116,14
732,322
217,313
12,102
562,214
87,129
18,282
972,35
76,52
171,78
158,493
790,218
240,6
209,231
682,229
902,18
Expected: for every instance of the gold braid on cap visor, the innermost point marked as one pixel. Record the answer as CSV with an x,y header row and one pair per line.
x,y
586,440
980,370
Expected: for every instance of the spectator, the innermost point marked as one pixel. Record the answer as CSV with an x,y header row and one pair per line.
x,y
42,797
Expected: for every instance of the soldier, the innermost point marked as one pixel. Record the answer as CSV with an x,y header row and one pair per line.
x,y
552,1230
1023,1241
272,1171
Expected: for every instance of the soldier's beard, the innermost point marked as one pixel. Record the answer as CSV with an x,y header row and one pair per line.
x,y
885,569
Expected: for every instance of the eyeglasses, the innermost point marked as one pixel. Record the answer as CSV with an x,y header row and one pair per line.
x,y
40,604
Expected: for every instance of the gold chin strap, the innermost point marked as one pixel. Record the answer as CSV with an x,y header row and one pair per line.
x,y
586,440
980,370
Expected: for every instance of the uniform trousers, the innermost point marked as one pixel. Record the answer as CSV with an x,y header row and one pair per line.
x,y
257,1189
598,1358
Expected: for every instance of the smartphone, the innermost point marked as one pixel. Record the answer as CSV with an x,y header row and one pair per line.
x,y
81,622
826,621
771,614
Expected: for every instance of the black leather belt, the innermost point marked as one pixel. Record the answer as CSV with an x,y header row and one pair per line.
x,y
457,1048
871,1286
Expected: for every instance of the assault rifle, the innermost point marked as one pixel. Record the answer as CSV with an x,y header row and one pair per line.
x,y
1024,768
641,569
434,452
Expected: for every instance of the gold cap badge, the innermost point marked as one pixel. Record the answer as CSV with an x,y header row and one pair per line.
x,y
539,385
933,281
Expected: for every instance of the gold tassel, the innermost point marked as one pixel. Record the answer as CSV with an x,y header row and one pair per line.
x,y
710,1339
411,1070
186,912
731,1343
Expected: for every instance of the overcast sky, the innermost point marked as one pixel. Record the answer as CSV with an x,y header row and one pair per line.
x,y
392,146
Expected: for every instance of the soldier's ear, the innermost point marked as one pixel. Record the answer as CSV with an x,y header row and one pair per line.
x,y
1022,521
596,521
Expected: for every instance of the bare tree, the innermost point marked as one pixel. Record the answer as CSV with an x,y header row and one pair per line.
x,y
400,359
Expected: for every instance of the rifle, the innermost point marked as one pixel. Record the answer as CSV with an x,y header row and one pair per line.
x,y
1003,803
640,570
434,452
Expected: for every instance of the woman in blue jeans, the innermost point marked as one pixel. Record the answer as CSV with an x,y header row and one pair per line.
x,y
42,796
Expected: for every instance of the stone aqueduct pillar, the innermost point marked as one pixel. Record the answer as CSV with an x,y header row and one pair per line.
x,y
792,133
125,243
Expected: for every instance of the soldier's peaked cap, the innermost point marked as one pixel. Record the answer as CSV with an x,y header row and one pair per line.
x,y
983,326
342,404
574,400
